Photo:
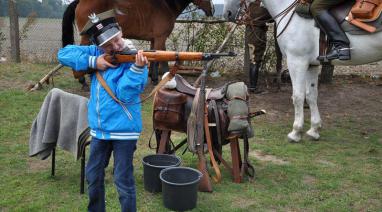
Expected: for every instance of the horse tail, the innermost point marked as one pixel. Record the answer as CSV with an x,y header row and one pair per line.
x,y
68,24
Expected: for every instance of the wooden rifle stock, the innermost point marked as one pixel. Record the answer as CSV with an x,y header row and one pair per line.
x,y
161,56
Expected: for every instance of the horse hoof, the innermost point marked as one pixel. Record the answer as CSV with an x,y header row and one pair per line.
x,y
313,135
294,138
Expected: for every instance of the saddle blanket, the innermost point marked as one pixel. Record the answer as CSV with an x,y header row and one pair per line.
x,y
60,122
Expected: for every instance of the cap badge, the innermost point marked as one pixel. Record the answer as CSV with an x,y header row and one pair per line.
x,y
93,18
99,26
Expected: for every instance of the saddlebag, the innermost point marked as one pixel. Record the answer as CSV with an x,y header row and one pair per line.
x,y
364,9
169,109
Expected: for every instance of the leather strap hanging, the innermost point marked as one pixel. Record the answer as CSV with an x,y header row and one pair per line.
x,y
215,166
107,88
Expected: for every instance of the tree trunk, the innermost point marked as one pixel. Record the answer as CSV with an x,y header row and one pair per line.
x,y
326,73
14,31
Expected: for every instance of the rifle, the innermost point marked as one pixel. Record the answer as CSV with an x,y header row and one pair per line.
x,y
157,56
161,56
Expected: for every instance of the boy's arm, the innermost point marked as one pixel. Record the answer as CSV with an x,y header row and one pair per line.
x,y
79,58
132,83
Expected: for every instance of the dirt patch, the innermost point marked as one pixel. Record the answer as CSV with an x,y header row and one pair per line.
x,y
346,97
36,165
309,180
350,96
243,203
4,209
326,163
267,158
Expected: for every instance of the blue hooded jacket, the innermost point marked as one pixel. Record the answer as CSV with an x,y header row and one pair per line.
x,y
107,119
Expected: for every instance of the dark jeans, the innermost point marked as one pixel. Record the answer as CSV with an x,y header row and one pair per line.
x,y
100,152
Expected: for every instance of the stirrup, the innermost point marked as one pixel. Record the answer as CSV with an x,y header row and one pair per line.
x,y
335,54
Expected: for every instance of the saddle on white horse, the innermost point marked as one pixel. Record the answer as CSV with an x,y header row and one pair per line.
x,y
355,17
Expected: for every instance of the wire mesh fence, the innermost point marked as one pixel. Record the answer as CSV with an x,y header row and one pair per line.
x,y
40,39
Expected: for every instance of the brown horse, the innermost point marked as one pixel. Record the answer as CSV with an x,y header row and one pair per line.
x,y
151,20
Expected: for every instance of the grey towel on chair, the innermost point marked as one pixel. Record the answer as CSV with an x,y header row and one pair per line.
x,y
60,122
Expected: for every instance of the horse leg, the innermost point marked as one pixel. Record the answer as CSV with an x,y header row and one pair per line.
x,y
85,85
297,68
311,99
158,43
154,66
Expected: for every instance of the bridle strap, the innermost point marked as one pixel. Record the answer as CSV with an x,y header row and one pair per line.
x,y
244,7
284,13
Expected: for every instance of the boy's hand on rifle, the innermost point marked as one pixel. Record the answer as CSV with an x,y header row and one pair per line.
x,y
141,60
102,64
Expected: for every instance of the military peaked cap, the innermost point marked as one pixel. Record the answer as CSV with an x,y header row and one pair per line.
x,y
101,27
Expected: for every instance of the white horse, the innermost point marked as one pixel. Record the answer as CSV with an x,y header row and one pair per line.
x,y
299,44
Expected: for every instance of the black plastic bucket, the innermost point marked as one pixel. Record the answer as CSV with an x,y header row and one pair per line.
x,y
152,166
180,187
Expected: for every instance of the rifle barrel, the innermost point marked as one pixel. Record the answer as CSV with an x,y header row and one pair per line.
x,y
211,56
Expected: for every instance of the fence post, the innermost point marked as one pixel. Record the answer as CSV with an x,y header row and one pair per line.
x,y
14,31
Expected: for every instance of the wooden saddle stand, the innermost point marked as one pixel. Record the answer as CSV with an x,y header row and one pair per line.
x,y
176,109
206,109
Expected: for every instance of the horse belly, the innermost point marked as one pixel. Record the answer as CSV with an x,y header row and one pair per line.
x,y
364,49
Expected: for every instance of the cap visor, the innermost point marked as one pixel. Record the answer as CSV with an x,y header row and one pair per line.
x,y
105,37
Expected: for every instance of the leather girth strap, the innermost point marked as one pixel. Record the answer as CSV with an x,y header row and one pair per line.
x,y
247,167
191,131
218,176
212,106
191,124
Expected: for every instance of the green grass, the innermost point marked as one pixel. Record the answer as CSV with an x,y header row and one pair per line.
x,y
341,172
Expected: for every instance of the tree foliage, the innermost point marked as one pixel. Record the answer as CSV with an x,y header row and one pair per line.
x,y
44,9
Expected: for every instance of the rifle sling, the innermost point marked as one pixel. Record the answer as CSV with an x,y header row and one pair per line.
x,y
107,88
110,92
191,124
192,136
